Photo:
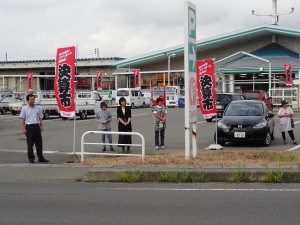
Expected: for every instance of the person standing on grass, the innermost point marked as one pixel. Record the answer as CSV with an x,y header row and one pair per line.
x,y
285,114
160,123
104,118
124,125
32,127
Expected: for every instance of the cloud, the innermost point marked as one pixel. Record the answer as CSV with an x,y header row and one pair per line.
x,y
34,28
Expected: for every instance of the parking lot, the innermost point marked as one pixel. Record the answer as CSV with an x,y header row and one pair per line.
x,y
58,135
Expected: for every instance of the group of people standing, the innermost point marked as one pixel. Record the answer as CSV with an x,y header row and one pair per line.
x,y
104,118
32,125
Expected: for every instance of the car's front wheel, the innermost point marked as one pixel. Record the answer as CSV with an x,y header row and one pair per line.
x,y
268,139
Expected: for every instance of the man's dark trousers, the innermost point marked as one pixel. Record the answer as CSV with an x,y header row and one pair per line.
x,y
34,136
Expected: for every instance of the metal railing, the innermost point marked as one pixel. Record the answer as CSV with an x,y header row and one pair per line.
x,y
82,152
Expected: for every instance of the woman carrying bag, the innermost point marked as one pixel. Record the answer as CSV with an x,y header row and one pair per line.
x,y
286,114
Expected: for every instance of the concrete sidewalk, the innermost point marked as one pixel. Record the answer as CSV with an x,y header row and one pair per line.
x,y
71,172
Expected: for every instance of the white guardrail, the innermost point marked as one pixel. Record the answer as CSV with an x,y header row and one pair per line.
x,y
82,153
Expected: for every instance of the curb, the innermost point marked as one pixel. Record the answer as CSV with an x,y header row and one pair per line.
x,y
195,176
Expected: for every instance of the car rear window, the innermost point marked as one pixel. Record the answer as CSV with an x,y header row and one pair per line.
x,y
252,96
244,110
123,93
224,98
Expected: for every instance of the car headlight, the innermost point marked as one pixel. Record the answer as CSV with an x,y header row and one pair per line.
x,y
261,124
220,107
222,126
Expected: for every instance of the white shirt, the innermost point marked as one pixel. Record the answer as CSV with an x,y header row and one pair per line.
x,y
31,115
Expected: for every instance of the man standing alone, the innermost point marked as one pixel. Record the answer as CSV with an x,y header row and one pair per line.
x,y
32,126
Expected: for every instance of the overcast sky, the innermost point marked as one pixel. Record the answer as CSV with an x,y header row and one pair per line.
x,y
34,29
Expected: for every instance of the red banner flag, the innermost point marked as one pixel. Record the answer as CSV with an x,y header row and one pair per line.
x,y
206,88
99,81
288,74
137,78
29,81
64,85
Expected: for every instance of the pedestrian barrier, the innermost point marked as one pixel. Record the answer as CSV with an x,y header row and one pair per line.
x,y
82,153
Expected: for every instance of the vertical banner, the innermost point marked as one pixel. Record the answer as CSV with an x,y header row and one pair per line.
x,y
99,81
288,74
29,81
206,88
64,84
137,78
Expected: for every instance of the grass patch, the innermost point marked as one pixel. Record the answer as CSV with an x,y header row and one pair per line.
x,y
216,158
168,177
91,177
192,177
239,176
130,177
274,176
78,179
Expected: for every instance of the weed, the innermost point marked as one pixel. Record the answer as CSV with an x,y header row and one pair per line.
x,y
168,177
78,179
91,177
239,176
130,177
275,176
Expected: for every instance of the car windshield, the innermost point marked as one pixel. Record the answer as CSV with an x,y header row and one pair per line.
x,y
248,109
252,96
224,98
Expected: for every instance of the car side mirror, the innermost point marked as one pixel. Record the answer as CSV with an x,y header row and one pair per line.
x,y
271,115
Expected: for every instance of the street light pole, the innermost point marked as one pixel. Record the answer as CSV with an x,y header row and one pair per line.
x,y
169,62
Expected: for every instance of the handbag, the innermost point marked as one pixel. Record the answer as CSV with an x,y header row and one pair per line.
x,y
292,123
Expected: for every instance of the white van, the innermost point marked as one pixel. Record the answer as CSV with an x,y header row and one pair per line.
x,y
134,97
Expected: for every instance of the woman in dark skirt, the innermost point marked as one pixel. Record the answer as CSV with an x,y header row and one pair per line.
x,y
124,125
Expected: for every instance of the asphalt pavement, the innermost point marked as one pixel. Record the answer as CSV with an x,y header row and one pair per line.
x,y
58,140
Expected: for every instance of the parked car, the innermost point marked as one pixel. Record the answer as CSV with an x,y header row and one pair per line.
x,y
246,121
134,97
259,95
223,99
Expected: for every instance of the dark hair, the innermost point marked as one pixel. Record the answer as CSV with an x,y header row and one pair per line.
x,y
29,96
103,104
159,99
122,99
284,102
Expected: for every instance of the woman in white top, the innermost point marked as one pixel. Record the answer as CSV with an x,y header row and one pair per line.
x,y
285,114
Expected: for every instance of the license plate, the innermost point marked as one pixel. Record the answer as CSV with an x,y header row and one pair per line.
x,y
219,107
239,134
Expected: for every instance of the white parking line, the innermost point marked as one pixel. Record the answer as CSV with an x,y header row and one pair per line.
x,y
293,149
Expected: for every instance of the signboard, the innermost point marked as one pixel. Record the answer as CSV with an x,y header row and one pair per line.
x,y
206,88
106,95
190,55
29,81
137,78
64,85
288,74
99,81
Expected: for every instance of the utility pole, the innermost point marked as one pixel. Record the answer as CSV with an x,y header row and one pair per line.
x,y
275,15
6,56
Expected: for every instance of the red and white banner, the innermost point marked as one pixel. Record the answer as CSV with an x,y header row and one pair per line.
x,y
64,85
29,81
137,78
288,74
99,81
206,88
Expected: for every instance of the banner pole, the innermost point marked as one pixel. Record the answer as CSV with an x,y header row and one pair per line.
x,y
75,81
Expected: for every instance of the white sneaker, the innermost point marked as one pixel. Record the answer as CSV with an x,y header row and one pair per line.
x,y
156,147
162,147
